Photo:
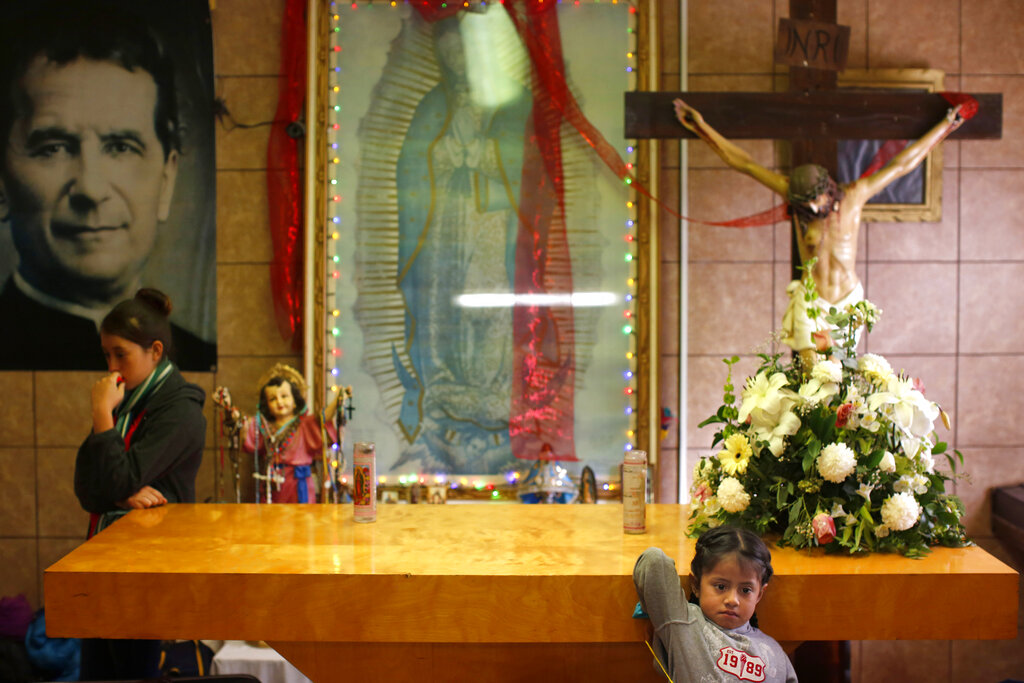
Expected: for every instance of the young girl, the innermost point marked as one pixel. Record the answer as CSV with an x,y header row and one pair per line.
x,y
715,640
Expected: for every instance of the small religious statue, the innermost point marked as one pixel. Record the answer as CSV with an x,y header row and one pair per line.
x,y
826,216
588,486
546,481
287,439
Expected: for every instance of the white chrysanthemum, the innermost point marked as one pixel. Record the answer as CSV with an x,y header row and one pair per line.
x,y
875,368
828,371
836,462
900,511
823,383
732,496
888,463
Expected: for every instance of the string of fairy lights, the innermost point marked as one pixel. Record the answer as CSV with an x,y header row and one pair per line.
x,y
338,232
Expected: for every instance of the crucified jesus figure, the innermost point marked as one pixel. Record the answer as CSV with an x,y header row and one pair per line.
x,y
826,216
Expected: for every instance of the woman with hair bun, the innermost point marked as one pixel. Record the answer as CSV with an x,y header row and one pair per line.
x,y
146,444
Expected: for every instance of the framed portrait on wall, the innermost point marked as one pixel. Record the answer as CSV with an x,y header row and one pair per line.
x,y
107,175
917,196
480,280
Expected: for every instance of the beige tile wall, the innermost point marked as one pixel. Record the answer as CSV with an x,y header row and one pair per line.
x,y
954,311
45,414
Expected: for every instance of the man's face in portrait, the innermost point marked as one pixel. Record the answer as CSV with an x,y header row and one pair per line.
x,y
84,180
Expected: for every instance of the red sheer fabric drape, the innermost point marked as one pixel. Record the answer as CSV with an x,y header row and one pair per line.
x,y
543,385
284,180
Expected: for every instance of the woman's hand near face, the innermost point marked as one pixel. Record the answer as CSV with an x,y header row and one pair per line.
x,y
146,497
106,394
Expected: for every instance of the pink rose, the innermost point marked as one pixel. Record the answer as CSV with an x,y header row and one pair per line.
x,y
824,528
919,384
822,340
843,414
702,493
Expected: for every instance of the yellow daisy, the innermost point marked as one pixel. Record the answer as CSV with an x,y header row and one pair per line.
x,y
736,455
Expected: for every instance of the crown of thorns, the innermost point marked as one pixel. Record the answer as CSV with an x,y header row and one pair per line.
x,y
808,182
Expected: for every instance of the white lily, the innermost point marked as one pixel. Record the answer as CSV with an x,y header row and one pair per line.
x,y
775,435
815,390
839,513
908,407
765,399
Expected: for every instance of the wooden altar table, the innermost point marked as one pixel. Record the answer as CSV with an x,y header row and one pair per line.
x,y
489,592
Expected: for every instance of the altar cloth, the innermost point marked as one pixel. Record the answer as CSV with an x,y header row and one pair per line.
x,y
265,663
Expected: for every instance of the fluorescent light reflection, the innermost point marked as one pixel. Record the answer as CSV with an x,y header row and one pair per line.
x,y
492,50
508,300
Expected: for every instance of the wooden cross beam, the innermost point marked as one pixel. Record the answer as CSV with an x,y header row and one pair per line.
x,y
813,116
831,114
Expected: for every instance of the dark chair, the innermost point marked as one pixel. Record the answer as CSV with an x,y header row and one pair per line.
x,y
1008,520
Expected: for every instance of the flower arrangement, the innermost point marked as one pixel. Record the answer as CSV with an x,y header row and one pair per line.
x,y
828,448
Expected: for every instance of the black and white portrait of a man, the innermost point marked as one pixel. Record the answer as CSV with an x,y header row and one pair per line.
x,y
106,175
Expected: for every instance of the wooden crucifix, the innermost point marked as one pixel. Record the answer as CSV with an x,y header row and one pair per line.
x,y
813,115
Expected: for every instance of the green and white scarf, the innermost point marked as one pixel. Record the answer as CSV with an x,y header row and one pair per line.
x,y
149,386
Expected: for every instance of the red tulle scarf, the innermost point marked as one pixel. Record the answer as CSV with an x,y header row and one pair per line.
x,y
284,182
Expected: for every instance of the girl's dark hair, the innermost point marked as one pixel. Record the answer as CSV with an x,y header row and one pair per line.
x,y
714,544
300,402
142,319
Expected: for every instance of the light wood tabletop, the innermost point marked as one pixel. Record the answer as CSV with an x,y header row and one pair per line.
x,y
487,574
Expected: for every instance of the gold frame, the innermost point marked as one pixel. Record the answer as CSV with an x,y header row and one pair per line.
x,y
927,80
646,329
316,225
648,388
